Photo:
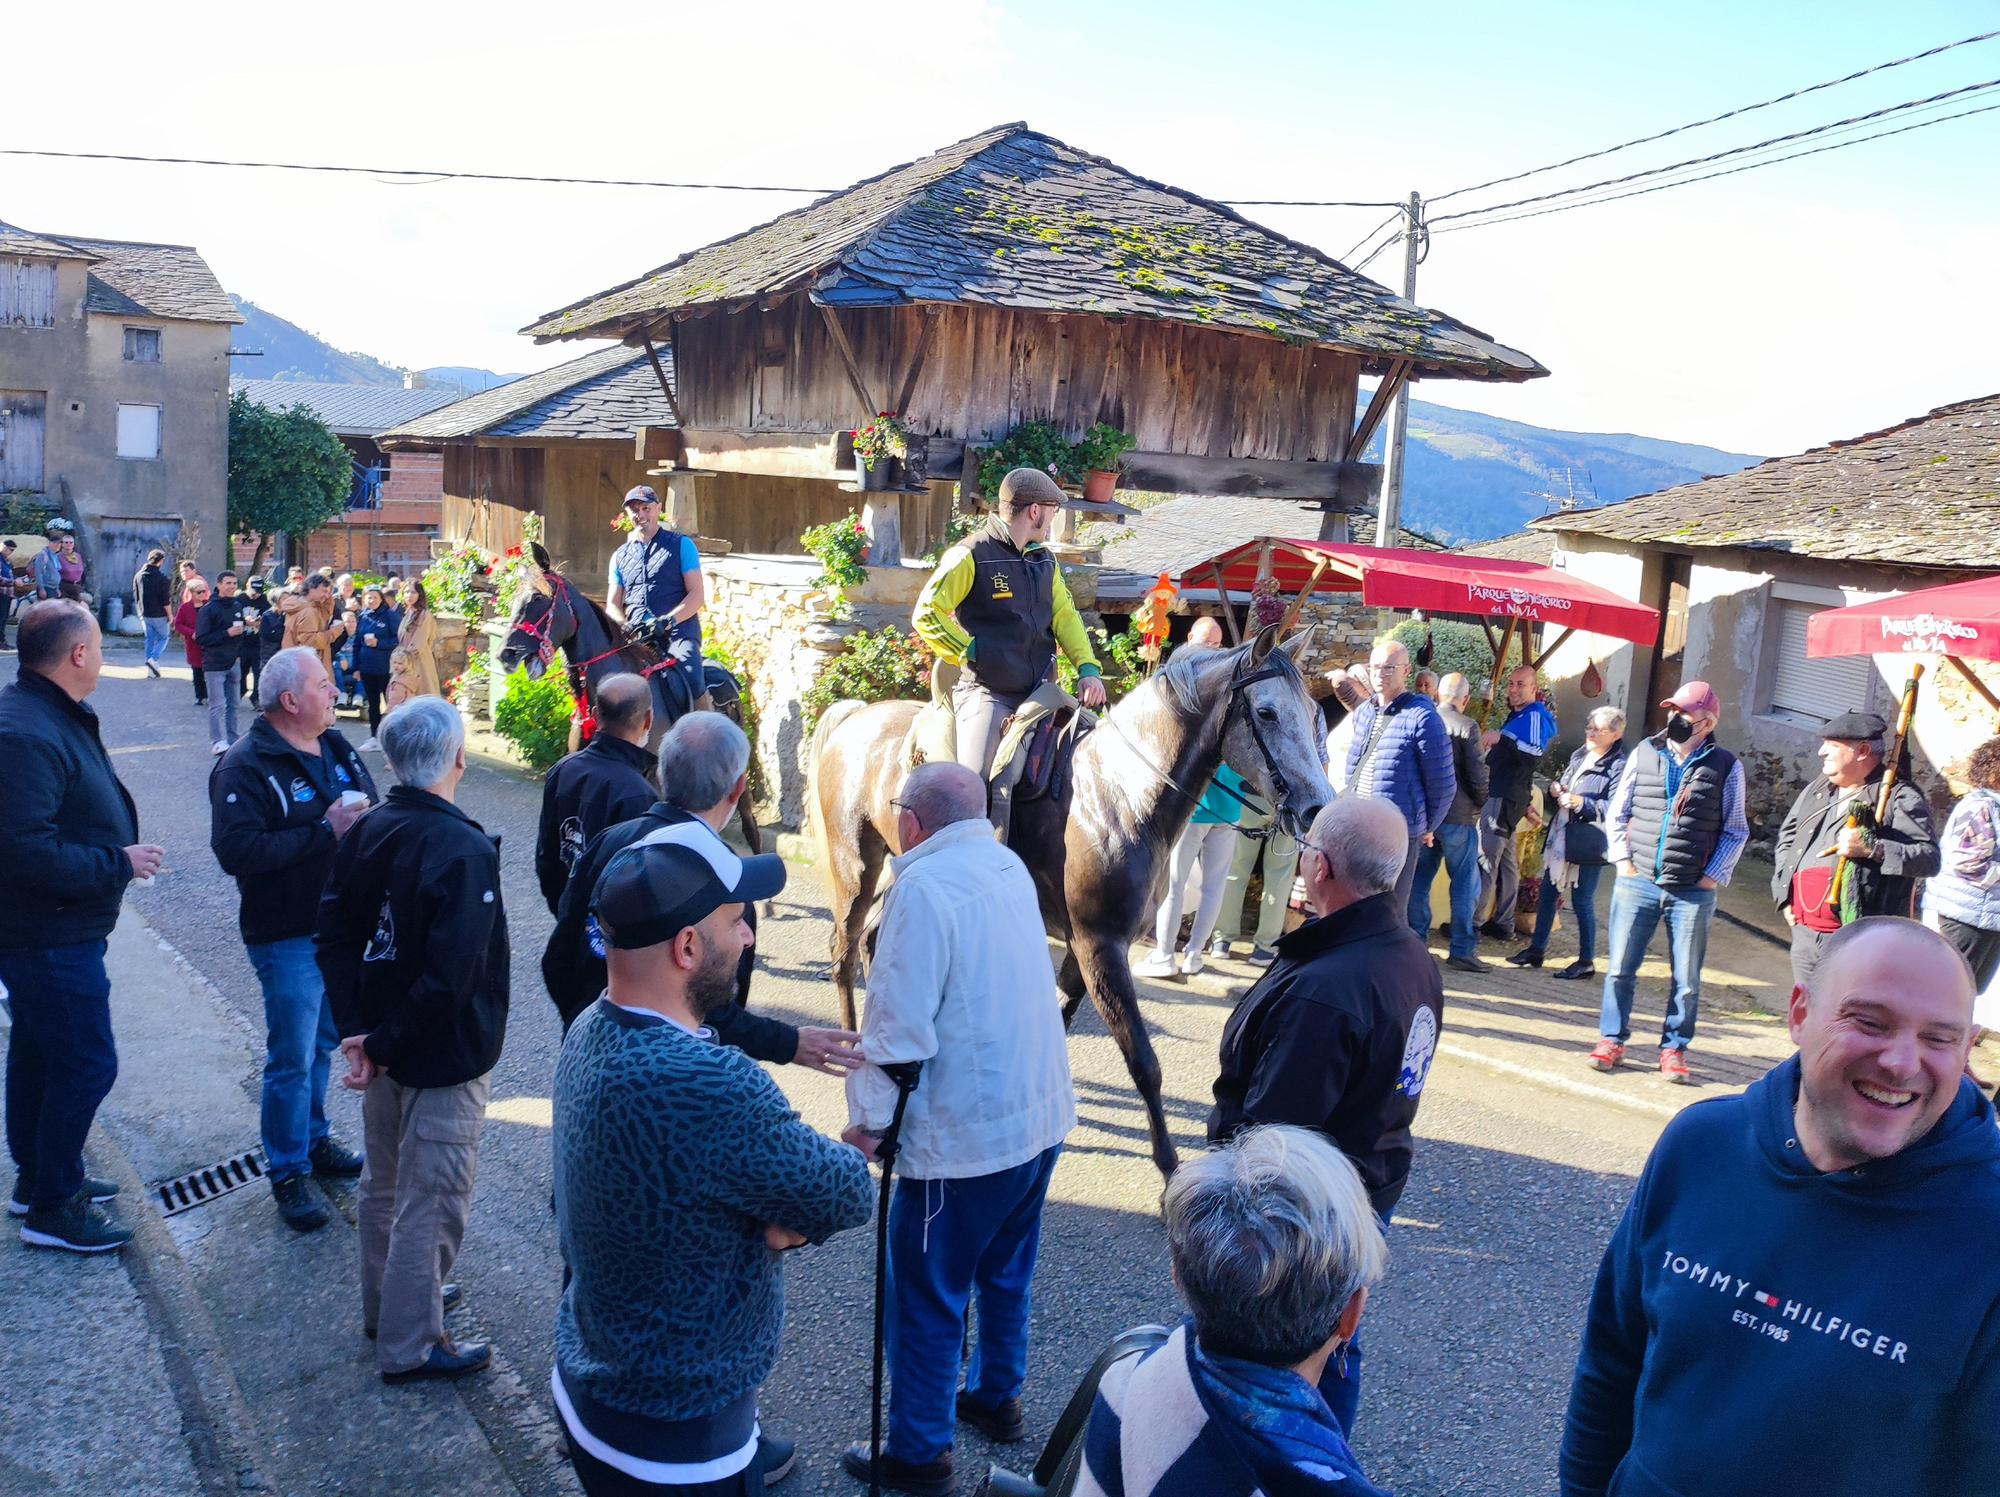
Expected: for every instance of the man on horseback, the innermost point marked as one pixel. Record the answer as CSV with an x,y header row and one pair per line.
x,y
998,608
656,592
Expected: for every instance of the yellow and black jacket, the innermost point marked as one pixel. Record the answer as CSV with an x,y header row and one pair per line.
x,y
1000,612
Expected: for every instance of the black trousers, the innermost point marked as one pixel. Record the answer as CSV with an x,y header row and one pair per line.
x,y
253,664
372,687
1978,945
200,684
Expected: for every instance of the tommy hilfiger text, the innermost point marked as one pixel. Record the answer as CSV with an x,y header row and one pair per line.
x,y
1784,1313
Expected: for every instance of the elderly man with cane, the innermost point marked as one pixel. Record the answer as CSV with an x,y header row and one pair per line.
x,y
961,984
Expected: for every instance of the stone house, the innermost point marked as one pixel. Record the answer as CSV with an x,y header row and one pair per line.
x,y
114,395
394,507
1738,563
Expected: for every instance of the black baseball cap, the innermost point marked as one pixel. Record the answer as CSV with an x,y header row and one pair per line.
x,y
674,878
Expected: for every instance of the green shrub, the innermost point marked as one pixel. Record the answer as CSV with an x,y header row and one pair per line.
x,y
1462,648
875,667
450,582
839,545
535,716
1118,654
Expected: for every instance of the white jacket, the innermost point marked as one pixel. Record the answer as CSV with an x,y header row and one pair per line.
x,y
962,982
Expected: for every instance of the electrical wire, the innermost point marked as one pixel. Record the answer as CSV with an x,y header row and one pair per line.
x,y
1797,93
1656,171
1365,238
1725,172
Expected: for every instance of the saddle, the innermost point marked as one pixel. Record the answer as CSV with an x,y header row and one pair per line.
x,y
1037,743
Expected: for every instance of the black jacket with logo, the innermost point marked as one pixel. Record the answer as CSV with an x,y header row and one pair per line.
x,y
221,650
412,940
150,592
69,821
573,961
598,786
1338,1036
267,807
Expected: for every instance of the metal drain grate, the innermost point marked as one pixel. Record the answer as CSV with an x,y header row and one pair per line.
x,y
210,1182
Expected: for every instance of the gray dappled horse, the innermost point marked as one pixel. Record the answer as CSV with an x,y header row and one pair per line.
x,y
1098,855
552,614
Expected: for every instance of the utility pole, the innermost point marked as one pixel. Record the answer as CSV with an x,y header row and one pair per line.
x,y
1389,515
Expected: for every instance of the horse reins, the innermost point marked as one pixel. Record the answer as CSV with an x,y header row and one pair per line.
x,y
579,682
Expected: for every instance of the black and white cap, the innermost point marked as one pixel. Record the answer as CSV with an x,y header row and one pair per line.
x,y
674,878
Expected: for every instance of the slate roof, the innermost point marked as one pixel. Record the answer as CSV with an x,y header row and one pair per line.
x,y
1537,546
1925,492
351,410
1014,218
132,279
1193,528
607,393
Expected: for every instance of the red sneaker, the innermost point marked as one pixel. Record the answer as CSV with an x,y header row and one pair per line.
x,y
1607,1055
1674,1066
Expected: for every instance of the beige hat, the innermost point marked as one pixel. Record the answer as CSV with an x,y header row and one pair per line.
x,y
1025,486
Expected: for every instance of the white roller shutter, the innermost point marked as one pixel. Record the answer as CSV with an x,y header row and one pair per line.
x,y
1815,691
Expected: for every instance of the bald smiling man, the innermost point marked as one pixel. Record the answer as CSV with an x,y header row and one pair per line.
x,y
1804,1294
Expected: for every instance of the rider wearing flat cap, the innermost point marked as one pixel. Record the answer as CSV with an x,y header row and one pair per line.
x,y
656,592
1884,861
998,607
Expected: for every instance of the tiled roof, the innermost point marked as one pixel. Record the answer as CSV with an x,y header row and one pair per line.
x,y
607,393
131,279
351,410
1922,493
1537,546
1013,218
1185,532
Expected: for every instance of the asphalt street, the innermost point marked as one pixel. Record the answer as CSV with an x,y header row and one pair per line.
x,y
1470,1342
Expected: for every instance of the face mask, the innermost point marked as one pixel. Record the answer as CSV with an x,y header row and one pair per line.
x,y
1680,728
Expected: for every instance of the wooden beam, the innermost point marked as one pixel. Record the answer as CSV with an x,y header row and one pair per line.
x,y
769,454
1551,647
660,372
1292,614
1974,682
657,444
1492,637
1228,613
1348,486
1378,407
853,366
1499,666
909,389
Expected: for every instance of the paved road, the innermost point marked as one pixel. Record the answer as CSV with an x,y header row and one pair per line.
x,y
1515,1190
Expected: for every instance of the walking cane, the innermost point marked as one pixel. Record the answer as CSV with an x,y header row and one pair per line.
x,y
904,1073
1895,761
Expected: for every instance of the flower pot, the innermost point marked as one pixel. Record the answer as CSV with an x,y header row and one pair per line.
x,y
1099,484
875,476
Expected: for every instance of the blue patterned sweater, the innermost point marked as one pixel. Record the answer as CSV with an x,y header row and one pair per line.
x,y
672,1153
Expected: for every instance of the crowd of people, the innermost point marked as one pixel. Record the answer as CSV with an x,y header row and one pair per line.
x,y
1748,1262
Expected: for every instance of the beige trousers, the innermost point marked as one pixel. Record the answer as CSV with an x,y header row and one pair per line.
x,y
416,1192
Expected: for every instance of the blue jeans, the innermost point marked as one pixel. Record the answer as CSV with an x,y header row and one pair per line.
x,y
946,1239
1638,905
344,678
1582,904
158,632
60,1063
1457,851
299,1040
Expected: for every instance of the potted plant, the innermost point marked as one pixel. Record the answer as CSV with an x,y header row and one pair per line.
x,y
1097,455
1032,444
878,447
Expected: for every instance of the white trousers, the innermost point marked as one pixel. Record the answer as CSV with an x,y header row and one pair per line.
x,y
1212,847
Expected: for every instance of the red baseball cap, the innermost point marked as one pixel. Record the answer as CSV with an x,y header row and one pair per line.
x,y
1693,697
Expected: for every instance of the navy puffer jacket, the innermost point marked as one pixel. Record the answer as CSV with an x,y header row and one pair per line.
x,y
1402,754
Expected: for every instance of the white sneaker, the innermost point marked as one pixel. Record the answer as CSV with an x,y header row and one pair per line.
x,y
1192,963
1159,964
218,748
368,745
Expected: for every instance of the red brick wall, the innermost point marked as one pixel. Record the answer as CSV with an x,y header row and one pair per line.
x,y
414,477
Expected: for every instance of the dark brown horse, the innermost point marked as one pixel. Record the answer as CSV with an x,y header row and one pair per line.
x,y
552,614
1098,854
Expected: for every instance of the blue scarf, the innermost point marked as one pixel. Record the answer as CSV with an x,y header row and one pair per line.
x,y
1279,1425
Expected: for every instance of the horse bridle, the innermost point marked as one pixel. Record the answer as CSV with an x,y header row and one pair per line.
x,y
545,638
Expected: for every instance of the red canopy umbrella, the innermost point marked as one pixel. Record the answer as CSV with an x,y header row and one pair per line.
x,y
1959,621
1440,581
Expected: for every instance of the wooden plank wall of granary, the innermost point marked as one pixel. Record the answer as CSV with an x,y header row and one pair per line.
x,y
767,515
584,490
1175,387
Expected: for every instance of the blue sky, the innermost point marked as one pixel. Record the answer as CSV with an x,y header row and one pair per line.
x,y
1763,312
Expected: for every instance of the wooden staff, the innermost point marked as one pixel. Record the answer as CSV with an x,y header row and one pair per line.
x,y
1895,761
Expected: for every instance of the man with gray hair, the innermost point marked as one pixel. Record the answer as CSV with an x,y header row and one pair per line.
x,y
704,769
1338,1036
280,800
1275,1249
412,941
961,985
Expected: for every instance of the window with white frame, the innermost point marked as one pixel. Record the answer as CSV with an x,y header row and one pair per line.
x,y
142,345
1805,689
139,431
27,292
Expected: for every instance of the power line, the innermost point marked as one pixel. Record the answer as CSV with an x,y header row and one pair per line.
x,y
1730,114
1371,234
1873,114
1726,171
